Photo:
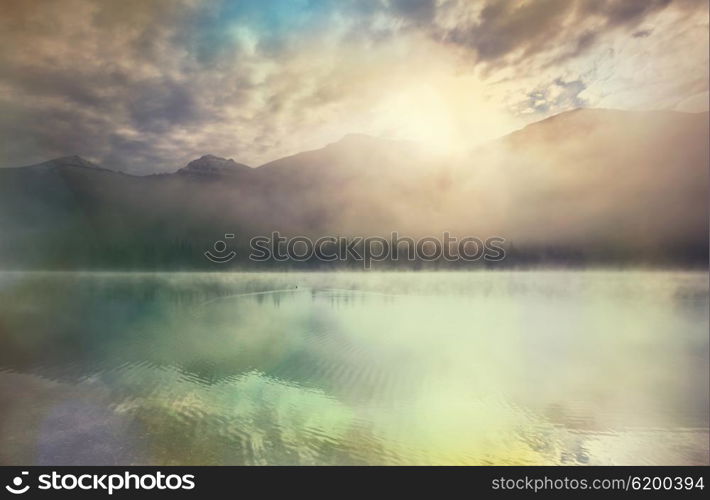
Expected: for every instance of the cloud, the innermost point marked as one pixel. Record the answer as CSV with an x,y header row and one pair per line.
x,y
506,32
147,86
421,12
507,27
558,95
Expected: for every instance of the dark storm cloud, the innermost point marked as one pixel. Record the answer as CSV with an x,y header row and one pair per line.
x,y
621,12
157,106
506,28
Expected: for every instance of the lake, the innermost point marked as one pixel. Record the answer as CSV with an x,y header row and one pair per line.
x,y
485,367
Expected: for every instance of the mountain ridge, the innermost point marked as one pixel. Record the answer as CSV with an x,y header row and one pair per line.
x,y
210,163
589,187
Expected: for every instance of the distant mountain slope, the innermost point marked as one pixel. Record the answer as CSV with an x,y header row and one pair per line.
x,y
582,186
64,162
602,178
210,165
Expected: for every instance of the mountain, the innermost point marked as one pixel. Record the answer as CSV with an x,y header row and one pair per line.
x,y
64,162
603,180
583,186
210,165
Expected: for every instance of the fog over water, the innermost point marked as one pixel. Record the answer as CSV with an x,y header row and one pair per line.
x,y
524,367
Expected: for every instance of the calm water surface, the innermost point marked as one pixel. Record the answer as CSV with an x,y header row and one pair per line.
x,y
528,367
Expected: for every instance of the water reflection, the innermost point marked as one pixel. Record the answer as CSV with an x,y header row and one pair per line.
x,y
354,368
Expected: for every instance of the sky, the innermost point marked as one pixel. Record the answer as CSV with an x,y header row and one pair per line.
x,y
145,87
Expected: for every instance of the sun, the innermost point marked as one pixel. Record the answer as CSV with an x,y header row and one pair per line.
x,y
447,114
